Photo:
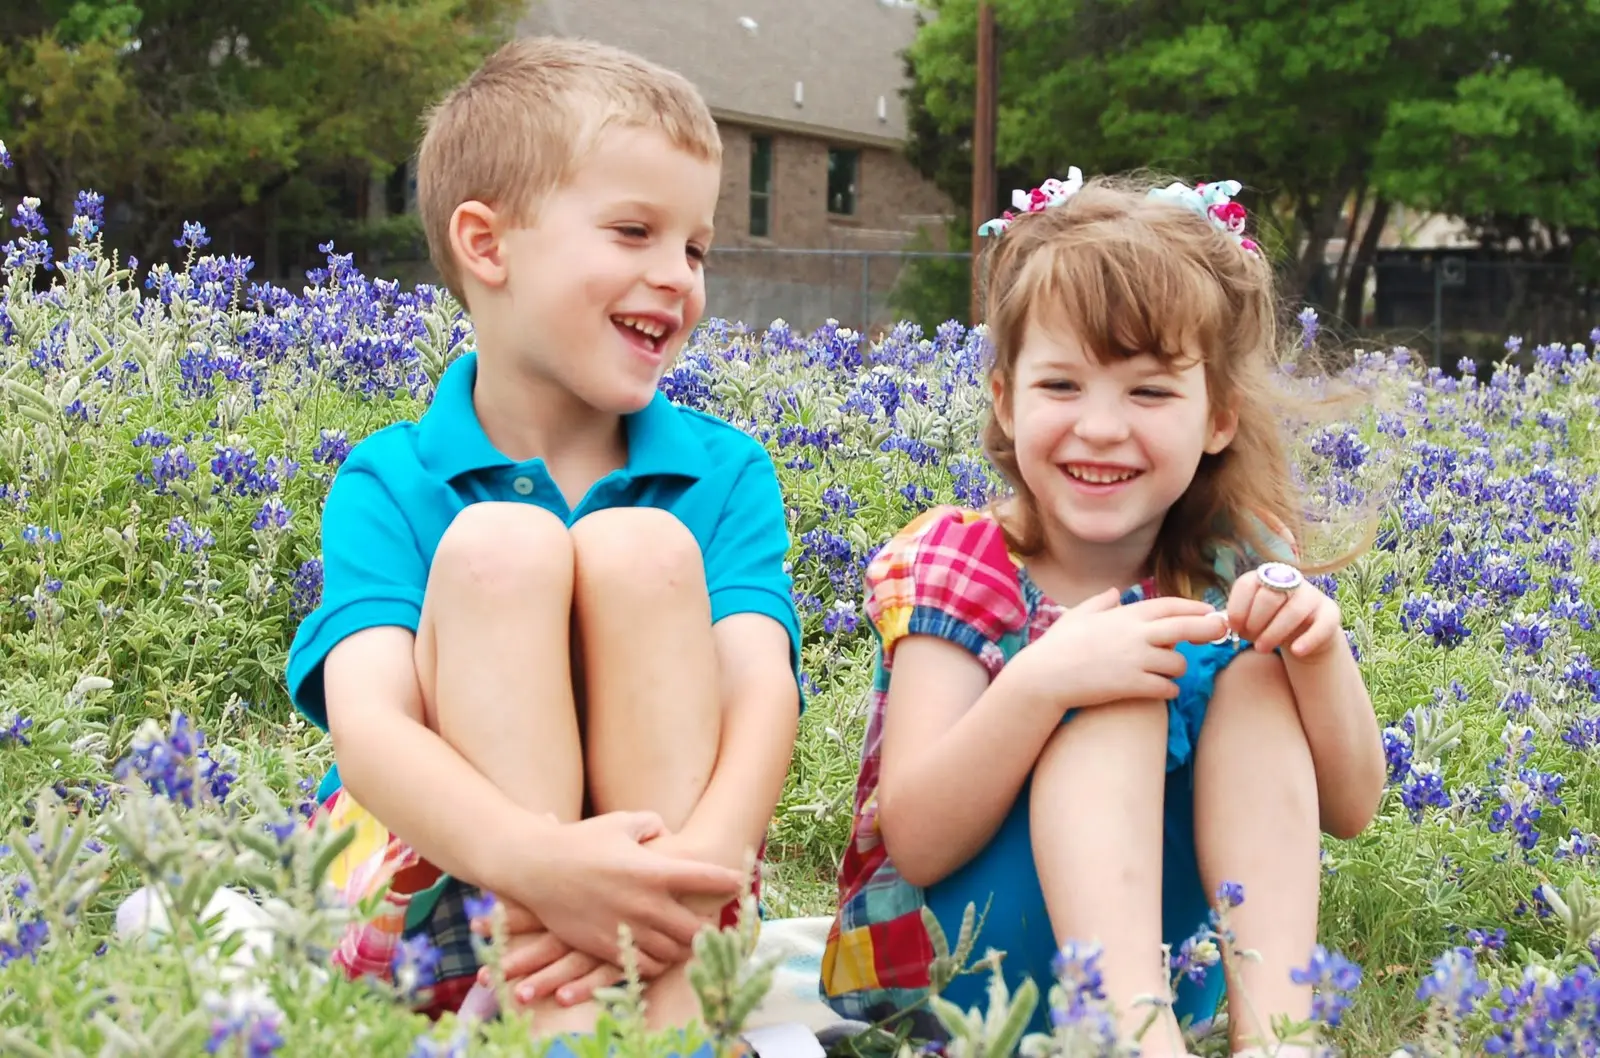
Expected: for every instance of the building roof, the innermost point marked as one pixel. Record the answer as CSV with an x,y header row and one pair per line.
x,y
823,67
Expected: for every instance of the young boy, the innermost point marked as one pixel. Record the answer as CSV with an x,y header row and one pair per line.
x,y
556,650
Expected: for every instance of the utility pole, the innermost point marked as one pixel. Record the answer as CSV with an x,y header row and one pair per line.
x,y
983,125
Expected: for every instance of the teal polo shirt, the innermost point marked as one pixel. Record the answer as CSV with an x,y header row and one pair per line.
x,y
400,488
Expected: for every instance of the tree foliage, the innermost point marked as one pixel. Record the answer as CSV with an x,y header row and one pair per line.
x,y
258,118
1480,108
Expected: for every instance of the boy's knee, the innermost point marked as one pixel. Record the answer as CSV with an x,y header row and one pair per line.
x,y
501,546
637,549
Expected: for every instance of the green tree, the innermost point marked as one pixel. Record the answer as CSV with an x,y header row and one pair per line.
x,y
257,118
1327,111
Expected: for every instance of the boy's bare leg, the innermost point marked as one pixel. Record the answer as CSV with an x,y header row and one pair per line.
x,y
652,711
1256,823
493,653
494,662
1096,812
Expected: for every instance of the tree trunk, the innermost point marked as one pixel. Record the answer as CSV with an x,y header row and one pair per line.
x,y
1355,291
1324,217
1342,274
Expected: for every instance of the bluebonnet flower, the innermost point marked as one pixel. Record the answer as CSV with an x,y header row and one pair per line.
x,y
841,618
971,480
167,466
306,592
1443,621
415,965
479,905
1078,999
5,156
427,1047
1526,634
175,764
1423,788
88,215
39,535
1454,984
840,501
273,515
189,539
333,448
244,1022
15,730
1397,752
1333,977
194,236
1309,326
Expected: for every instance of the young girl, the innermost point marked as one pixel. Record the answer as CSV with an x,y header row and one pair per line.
x,y
1064,727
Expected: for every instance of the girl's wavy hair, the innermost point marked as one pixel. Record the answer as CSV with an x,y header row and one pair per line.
x,y
1131,275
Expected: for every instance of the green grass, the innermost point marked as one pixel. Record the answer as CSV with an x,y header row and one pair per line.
x,y
204,635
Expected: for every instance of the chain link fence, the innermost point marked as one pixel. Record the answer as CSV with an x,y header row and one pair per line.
x,y
1444,304
1453,306
868,290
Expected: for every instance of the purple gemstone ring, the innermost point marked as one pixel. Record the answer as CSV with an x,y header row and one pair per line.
x,y
1280,576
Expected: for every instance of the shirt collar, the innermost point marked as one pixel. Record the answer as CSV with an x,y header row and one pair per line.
x,y
453,443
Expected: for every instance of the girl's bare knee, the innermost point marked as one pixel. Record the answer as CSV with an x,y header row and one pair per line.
x,y
1255,681
637,550
504,548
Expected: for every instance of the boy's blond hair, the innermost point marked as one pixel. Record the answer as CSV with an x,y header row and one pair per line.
x,y
513,131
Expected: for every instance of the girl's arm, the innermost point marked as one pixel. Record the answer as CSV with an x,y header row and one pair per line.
x,y
1342,731
956,749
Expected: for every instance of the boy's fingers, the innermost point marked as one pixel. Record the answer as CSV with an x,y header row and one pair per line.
x,y
640,826
518,920
660,944
695,878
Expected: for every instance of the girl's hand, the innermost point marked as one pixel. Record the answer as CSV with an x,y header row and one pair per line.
x,y
1101,651
1295,614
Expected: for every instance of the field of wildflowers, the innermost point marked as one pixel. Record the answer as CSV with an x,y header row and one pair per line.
x,y
164,448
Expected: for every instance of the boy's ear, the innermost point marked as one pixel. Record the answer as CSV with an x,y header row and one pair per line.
x,y
1224,426
475,241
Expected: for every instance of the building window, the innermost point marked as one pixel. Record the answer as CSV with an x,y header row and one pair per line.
x,y
842,168
760,186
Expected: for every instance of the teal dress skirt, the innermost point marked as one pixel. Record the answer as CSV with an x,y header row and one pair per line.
x,y
1002,874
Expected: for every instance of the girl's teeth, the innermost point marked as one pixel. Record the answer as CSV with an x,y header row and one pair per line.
x,y
1100,477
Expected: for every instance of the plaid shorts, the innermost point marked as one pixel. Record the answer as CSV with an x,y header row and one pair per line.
x,y
377,858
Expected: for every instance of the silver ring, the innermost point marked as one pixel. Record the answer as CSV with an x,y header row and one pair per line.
x,y
1280,577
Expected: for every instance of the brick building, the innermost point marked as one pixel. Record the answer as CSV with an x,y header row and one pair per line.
x,y
807,97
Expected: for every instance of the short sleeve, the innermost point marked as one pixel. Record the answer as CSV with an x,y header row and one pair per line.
x,y
747,552
950,575
373,574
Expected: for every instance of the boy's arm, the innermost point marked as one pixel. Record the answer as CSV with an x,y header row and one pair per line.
x,y
387,756
352,671
760,719
757,635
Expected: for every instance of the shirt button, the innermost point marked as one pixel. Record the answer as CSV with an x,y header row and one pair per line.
x,y
523,486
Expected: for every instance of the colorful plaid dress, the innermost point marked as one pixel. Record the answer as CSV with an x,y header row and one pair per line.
x,y
950,574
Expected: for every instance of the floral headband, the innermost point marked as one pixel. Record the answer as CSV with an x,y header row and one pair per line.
x,y
1213,201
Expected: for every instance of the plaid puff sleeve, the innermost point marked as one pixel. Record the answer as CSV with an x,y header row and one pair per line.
x,y
947,574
